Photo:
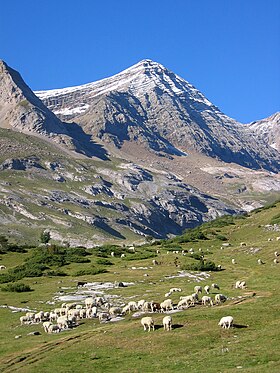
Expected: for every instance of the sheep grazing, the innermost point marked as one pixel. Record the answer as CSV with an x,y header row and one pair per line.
x,y
260,261
167,323
215,286
219,298
166,305
2,267
276,254
206,300
54,329
62,322
112,254
173,290
140,304
122,255
207,289
155,262
195,298
25,320
243,244
275,261
226,322
219,267
115,311
189,300
198,289
46,326
148,323
240,285
103,317
233,261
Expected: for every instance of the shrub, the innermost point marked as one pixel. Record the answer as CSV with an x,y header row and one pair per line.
x,y
20,287
221,237
202,265
55,273
90,271
103,261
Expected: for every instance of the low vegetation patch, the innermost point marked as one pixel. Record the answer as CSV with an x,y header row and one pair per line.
x,y
19,287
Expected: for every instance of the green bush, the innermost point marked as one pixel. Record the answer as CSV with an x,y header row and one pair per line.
x,y
221,237
104,261
202,265
275,219
90,271
20,287
55,273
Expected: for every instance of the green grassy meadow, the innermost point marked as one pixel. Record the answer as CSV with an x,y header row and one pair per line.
x,y
196,343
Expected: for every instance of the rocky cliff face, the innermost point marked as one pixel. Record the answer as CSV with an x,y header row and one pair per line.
x,y
151,105
21,109
268,130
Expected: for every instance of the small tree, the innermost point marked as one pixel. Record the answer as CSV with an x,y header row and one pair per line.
x,y
45,237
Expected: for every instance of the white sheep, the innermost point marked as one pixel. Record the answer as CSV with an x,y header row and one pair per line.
x,y
2,267
25,320
189,299
46,316
31,315
39,316
147,306
167,295
226,322
103,317
260,261
115,311
233,261
276,254
148,323
173,290
82,313
195,298
112,254
243,244
53,316
54,329
219,298
207,289
89,302
122,255
133,306
215,286
166,305
46,325
219,267
198,289
275,261
62,322
167,323
155,262
140,304
206,300
182,303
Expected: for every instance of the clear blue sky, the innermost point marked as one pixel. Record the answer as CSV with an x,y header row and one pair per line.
x,y
228,49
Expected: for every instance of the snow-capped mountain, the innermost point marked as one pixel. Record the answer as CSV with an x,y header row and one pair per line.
x,y
149,104
268,130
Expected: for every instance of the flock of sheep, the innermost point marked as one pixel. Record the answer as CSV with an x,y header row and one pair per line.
x,y
68,315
